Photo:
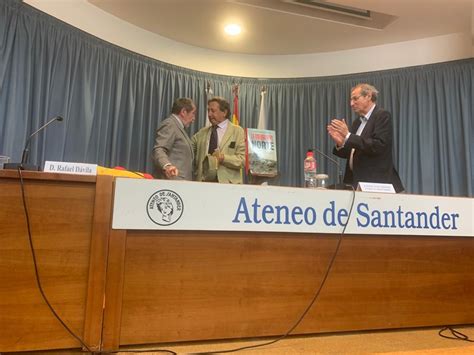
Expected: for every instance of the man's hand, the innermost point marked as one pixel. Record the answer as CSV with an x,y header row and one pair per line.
x,y
171,171
336,137
219,156
340,126
338,130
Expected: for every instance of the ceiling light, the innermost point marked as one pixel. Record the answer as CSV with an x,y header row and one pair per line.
x,y
232,29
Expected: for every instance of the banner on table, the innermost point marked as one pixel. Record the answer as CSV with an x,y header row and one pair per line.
x,y
180,205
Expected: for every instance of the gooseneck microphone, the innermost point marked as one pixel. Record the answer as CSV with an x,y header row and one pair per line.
x,y
26,150
24,157
339,183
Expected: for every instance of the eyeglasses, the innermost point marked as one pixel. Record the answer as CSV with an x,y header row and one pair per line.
x,y
355,98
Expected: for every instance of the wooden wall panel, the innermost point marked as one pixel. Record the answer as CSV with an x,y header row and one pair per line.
x,y
95,302
181,286
61,214
171,286
113,291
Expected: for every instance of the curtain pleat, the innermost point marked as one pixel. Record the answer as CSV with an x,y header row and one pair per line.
x,y
113,100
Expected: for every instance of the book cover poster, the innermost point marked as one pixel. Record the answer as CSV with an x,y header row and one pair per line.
x,y
261,152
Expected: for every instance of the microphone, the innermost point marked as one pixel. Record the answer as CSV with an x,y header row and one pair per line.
x,y
24,157
339,183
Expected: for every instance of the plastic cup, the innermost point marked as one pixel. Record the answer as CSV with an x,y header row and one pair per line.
x,y
322,181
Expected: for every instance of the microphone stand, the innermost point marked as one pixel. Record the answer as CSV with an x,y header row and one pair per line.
x,y
24,157
339,185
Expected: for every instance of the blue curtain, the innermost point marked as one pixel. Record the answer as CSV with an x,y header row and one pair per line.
x,y
113,100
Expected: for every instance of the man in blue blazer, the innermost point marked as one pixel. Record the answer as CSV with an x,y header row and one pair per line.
x,y
219,149
367,146
173,152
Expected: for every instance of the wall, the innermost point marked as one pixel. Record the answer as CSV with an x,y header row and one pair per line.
x,y
91,19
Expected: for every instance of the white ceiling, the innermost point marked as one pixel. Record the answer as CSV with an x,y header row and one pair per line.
x,y
278,27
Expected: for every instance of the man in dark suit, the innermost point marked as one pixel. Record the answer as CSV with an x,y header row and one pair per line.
x,y
173,150
368,145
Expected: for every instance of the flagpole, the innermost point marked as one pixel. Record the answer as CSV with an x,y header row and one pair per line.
x,y
235,113
262,116
209,94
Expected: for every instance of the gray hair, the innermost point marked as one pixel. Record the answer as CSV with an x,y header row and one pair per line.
x,y
182,102
366,89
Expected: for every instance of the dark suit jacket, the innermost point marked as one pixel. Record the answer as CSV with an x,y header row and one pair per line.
x,y
372,160
173,145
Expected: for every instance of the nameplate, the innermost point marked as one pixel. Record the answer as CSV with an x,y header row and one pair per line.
x,y
70,168
375,187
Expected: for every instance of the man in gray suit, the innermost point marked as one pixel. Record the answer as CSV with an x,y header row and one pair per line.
x,y
219,149
173,150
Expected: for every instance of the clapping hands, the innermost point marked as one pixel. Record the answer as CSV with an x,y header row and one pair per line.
x,y
338,131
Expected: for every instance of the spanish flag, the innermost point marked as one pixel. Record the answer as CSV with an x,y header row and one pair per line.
x,y
235,114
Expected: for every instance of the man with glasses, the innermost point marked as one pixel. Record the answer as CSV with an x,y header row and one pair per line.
x,y
367,146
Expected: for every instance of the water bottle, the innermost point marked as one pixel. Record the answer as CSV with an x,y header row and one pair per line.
x,y
310,170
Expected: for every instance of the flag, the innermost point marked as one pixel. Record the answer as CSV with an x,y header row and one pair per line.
x,y
235,114
209,95
262,116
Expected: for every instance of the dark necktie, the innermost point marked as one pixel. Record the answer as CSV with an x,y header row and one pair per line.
x,y
213,140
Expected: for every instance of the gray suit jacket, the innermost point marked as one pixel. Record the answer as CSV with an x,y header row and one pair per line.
x,y
233,148
173,146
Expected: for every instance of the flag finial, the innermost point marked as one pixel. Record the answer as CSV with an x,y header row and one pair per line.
x,y
235,89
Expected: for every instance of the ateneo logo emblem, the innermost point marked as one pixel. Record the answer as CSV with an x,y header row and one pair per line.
x,y
165,207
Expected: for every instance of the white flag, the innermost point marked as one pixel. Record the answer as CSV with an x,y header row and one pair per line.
x,y
262,117
209,95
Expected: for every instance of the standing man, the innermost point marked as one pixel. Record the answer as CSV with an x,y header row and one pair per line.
x,y
368,145
219,149
173,150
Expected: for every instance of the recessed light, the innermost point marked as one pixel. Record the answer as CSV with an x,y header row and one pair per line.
x,y
232,29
